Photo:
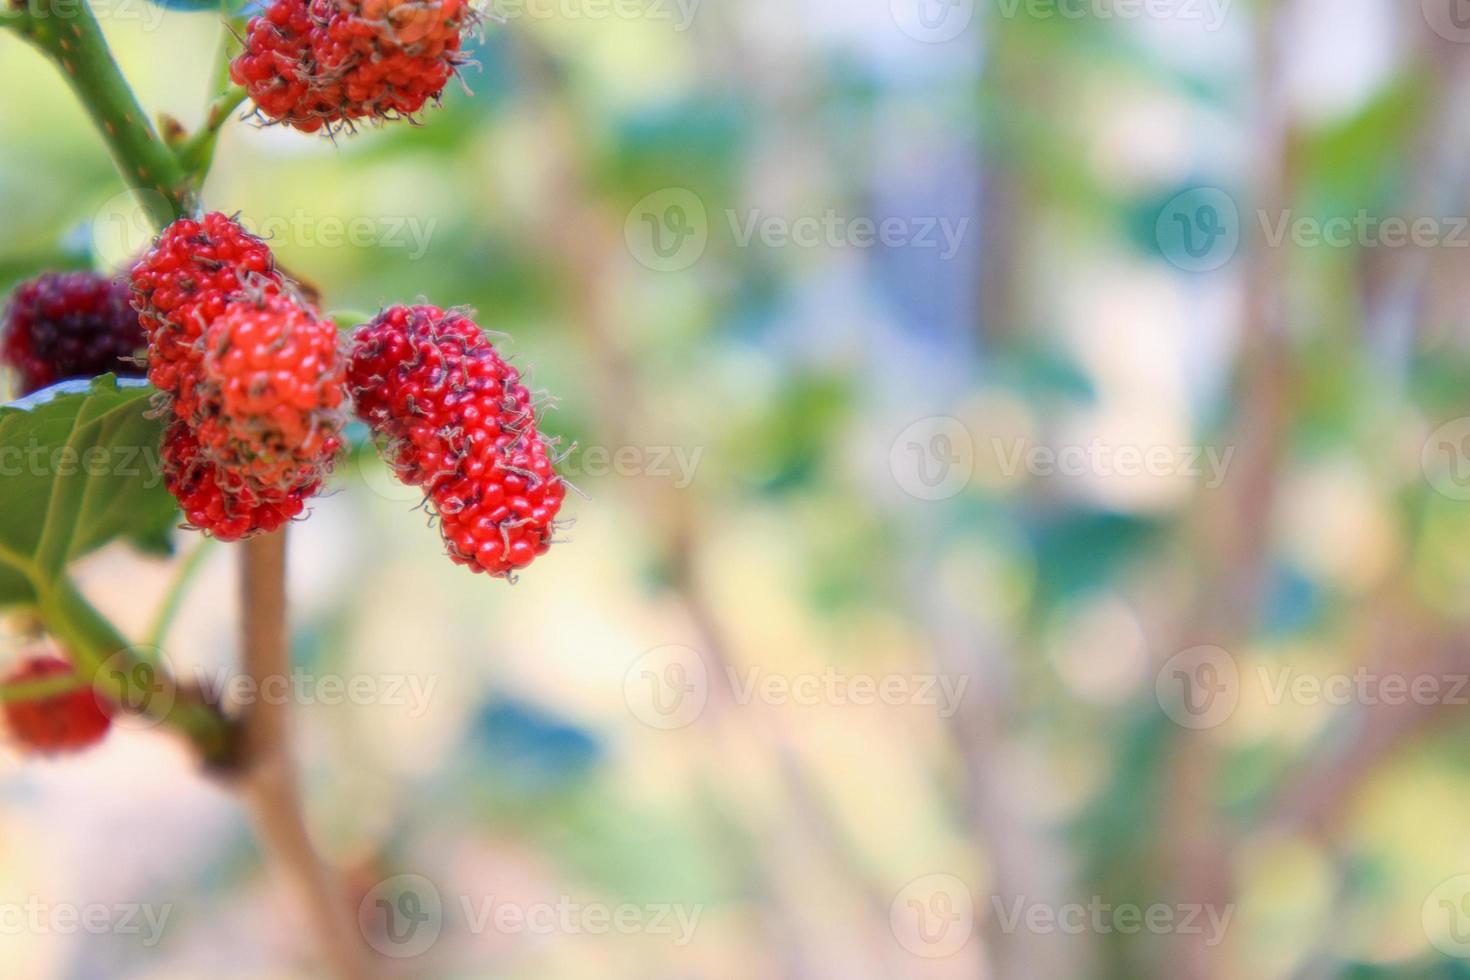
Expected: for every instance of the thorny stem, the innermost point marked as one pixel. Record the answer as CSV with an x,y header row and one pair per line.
x,y
269,785
67,32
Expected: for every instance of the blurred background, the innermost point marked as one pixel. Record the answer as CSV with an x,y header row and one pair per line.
x,y
1027,457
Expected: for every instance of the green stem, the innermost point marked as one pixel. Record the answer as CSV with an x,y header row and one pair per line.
x,y
350,320
18,691
174,598
67,32
197,152
122,674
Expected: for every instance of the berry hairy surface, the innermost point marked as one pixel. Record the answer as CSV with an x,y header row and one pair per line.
x,y
214,500
193,271
314,64
458,422
251,378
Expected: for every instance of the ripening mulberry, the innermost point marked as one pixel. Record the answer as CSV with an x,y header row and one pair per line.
x,y
271,394
459,423
214,500
55,723
251,378
65,325
183,283
326,63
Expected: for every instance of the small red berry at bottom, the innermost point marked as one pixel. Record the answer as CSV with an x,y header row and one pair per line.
x,y
57,723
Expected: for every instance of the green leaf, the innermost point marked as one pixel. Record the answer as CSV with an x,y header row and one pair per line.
x,y
79,468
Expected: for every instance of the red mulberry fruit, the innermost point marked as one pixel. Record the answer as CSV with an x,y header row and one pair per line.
x,y
459,423
325,63
184,282
215,500
65,325
54,723
271,393
251,375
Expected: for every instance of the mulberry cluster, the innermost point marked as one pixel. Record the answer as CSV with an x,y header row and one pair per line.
x,y
326,63
67,722
459,423
66,325
251,375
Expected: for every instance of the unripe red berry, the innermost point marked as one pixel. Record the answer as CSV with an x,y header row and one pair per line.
x,y
65,325
459,423
67,722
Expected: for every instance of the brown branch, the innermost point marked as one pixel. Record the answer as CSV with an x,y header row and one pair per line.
x,y
1312,799
1437,185
1233,523
268,786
